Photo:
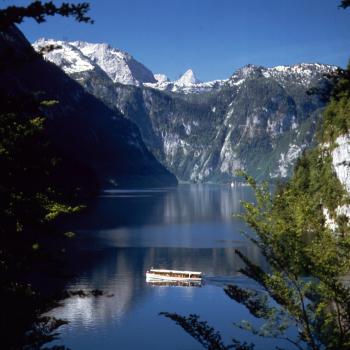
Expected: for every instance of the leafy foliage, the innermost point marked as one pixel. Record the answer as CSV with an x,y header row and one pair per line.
x,y
28,194
32,196
39,10
306,285
336,120
294,239
204,334
35,190
345,3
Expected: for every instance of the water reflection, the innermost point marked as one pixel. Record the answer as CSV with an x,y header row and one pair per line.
x,y
127,232
157,283
202,203
121,272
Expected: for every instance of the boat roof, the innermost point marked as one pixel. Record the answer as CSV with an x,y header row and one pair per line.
x,y
176,271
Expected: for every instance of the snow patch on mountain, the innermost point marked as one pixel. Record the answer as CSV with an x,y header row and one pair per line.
x,y
187,83
303,73
121,67
188,78
64,55
161,78
75,56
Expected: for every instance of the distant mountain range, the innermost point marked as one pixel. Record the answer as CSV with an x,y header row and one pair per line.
x,y
260,119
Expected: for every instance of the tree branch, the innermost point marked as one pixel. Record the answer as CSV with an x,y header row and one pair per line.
x,y
39,11
344,4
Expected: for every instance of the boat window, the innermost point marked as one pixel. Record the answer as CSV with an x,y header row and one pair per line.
x,y
176,274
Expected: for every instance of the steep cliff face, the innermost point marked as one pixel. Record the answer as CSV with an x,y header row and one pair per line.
x,y
257,124
341,160
81,126
260,119
323,173
340,155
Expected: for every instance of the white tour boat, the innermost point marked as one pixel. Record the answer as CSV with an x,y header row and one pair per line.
x,y
172,275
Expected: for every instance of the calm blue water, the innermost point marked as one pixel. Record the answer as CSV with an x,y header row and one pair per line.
x,y
126,232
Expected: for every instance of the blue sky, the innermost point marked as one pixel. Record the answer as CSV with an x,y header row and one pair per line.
x,y
213,37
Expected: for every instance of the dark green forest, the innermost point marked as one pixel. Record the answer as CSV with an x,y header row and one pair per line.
x,y
38,185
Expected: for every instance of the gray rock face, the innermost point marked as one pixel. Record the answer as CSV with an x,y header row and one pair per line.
x,y
341,160
340,153
259,120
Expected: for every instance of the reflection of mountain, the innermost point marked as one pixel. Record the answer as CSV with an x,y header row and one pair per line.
x,y
121,272
202,202
127,232
185,204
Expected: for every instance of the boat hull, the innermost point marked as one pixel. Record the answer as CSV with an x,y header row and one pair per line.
x,y
160,283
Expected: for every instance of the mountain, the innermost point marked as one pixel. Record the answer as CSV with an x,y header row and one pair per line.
x,y
78,56
188,78
80,125
81,56
161,78
260,119
186,84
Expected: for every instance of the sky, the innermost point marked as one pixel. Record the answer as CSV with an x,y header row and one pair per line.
x,y
213,37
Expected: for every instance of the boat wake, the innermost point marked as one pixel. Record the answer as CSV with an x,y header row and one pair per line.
x,y
222,281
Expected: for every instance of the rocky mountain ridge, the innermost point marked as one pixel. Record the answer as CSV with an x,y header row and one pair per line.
x,y
80,56
121,67
260,119
303,73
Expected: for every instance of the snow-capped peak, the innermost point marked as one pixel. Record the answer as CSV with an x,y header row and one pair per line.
x,y
188,78
64,55
78,57
161,78
120,66
249,70
187,83
304,73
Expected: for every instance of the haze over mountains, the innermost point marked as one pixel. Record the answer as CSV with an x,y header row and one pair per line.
x,y
259,119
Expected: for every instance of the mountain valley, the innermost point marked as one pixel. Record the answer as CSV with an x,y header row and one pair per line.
x,y
260,119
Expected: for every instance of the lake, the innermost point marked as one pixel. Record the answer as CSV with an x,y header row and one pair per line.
x,y
124,233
